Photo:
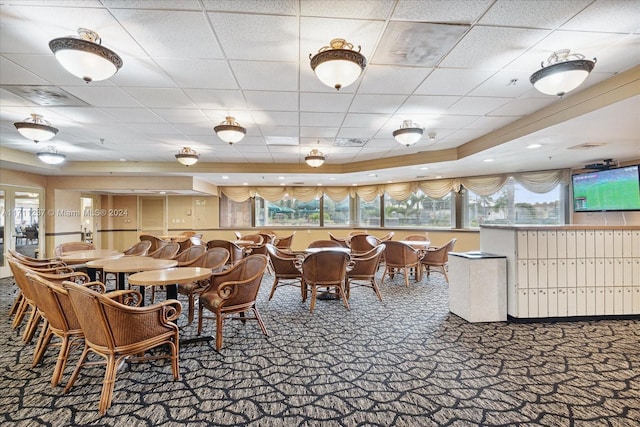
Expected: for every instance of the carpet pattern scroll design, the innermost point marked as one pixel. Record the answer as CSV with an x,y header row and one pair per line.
x,y
405,361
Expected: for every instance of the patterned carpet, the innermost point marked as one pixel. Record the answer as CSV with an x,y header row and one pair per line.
x,y
403,362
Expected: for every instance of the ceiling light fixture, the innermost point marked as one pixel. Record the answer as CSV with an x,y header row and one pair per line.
x,y
564,72
187,156
432,137
230,131
85,57
50,156
338,65
315,158
408,134
36,128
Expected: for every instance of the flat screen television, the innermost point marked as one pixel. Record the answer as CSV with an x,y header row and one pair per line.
x,y
607,190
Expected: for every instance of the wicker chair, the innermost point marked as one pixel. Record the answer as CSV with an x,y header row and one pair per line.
x,y
267,237
343,242
73,246
36,262
359,244
326,269
117,331
285,271
236,253
140,248
365,268
400,256
325,244
156,242
387,236
215,259
233,291
167,251
417,237
437,259
284,242
189,256
53,301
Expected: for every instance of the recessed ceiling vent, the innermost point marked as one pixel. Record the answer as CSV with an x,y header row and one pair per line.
x,y
587,146
350,142
46,96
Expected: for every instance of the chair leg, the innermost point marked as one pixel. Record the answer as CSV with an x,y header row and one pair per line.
x,y
260,322
219,322
22,311
343,296
406,276
65,346
16,304
175,351
314,294
42,344
199,317
192,302
273,288
76,371
32,325
375,289
108,385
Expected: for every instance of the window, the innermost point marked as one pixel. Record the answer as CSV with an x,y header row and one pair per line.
x,y
368,213
287,212
419,210
234,214
514,204
337,213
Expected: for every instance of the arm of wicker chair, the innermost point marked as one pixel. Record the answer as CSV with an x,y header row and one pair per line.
x,y
129,297
76,276
96,286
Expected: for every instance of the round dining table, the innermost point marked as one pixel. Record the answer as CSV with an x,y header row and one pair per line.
x,y
169,277
133,264
81,257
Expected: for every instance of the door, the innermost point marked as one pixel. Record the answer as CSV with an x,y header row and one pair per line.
x,y
21,224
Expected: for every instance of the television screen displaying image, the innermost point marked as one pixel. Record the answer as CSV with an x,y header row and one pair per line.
x,y
607,190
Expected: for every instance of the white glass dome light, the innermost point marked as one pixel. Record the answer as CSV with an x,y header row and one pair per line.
x,y
562,73
338,65
36,128
187,156
409,133
50,156
230,131
85,57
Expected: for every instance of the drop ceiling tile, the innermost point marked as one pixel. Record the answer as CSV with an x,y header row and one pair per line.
x,y
492,47
203,128
243,117
199,73
357,9
271,100
102,96
174,116
138,72
505,83
417,44
387,79
365,120
357,132
280,7
83,115
420,104
453,81
318,132
160,97
275,118
8,99
548,14
318,102
521,107
608,16
133,115
13,74
488,123
276,76
279,130
466,11
151,4
321,119
257,37
376,103
480,106
208,99
49,69
162,33
463,136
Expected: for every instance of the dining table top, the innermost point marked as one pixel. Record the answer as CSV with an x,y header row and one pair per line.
x,y
131,264
80,257
327,248
170,276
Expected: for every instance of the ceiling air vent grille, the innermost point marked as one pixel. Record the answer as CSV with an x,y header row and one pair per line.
x,y
46,96
350,142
